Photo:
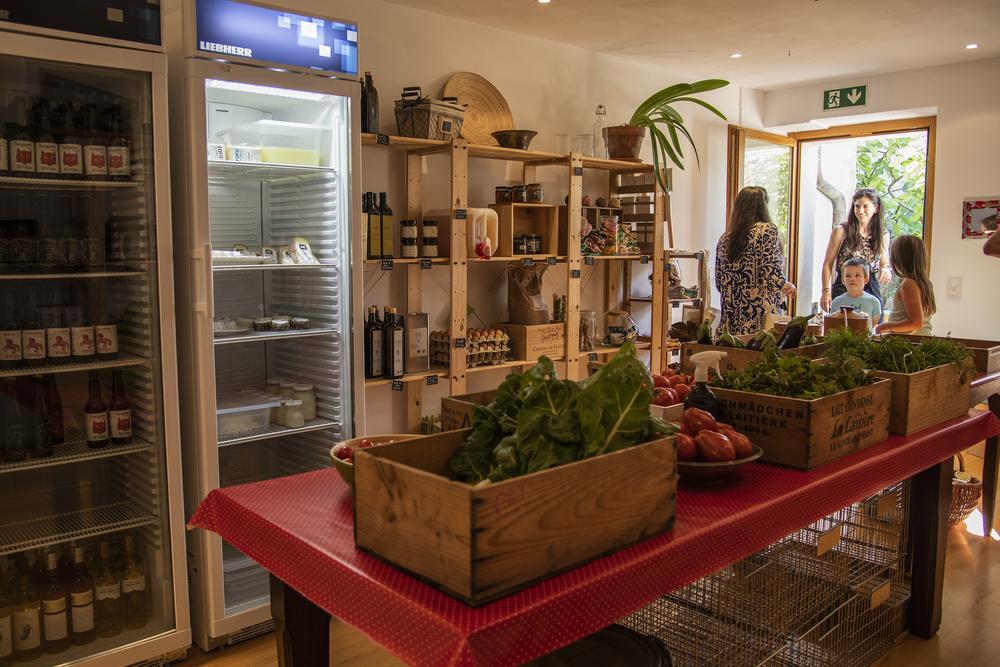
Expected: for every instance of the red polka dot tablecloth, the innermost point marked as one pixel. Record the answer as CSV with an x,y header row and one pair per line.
x,y
301,529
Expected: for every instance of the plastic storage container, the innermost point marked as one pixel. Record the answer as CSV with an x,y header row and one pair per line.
x,y
282,142
240,415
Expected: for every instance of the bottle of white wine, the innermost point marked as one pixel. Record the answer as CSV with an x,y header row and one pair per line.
x,y
81,598
55,620
6,627
109,594
27,615
135,609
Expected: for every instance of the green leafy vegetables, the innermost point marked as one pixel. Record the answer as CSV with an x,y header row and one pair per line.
x,y
797,377
537,421
895,354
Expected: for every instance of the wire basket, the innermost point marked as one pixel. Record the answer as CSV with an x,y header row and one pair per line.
x,y
423,118
965,496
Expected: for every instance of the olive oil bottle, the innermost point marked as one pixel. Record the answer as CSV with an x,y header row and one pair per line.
x,y
385,225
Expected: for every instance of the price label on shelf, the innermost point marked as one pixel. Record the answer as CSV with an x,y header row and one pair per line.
x,y
644,259
461,214
527,261
551,261
592,356
459,343
588,260
425,264
397,385
575,273
382,139
387,265
578,171
432,380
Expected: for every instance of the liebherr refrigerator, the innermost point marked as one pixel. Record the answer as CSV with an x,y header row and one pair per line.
x,y
89,430
265,106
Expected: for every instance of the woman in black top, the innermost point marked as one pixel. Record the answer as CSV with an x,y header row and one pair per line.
x,y
864,237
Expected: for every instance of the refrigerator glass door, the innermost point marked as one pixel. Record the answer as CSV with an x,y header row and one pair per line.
x,y
82,427
278,166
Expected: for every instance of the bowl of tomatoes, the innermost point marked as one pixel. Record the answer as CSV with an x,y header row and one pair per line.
x,y
671,387
709,451
343,453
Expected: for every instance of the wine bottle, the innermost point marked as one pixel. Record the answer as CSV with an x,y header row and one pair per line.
x,y
119,146
27,616
6,629
385,226
11,351
95,151
135,609
372,229
369,105
13,444
21,144
46,148
109,592
119,411
55,620
53,403
393,346
81,596
373,345
96,415
38,430
70,146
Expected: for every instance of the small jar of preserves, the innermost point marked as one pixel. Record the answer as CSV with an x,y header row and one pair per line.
x,y
502,194
536,193
519,194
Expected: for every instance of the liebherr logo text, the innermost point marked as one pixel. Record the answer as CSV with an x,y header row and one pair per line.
x,y
225,48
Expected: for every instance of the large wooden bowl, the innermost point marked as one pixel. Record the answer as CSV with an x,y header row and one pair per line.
x,y
346,468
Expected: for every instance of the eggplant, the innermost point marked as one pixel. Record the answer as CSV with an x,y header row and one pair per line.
x,y
794,332
756,341
767,342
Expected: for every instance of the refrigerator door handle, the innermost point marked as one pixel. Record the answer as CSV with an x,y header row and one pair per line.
x,y
201,302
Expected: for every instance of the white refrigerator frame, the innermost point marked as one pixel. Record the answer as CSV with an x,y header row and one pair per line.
x,y
27,42
194,279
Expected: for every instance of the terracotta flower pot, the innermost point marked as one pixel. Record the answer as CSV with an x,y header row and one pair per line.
x,y
624,141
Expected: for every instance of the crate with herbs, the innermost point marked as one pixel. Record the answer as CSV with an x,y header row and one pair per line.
x,y
795,338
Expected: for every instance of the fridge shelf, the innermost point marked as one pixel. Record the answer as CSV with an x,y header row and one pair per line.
x,y
75,449
275,431
122,361
75,275
255,336
261,170
65,184
272,267
81,524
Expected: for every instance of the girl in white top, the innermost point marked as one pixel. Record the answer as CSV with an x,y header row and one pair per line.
x,y
913,305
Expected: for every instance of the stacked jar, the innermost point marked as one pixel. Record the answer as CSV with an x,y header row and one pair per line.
x,y
408,238
430,239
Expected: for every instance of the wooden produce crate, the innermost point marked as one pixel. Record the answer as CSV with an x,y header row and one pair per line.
x,y
456,411
669,413
489,541
781,323
737,359
518,218
985,353
805,434
921,400
531,341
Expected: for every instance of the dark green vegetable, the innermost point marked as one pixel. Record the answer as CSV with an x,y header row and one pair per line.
x,y
796,376
757,340
794,332
537,421
895,354
705,333
809,339
725,339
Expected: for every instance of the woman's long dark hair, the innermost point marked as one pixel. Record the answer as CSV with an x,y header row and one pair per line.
x,y
876,226
749,208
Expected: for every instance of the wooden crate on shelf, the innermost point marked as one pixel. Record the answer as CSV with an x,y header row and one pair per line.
x,y
737,358
517,219
805,434
924,399
492,540
456,411
531,341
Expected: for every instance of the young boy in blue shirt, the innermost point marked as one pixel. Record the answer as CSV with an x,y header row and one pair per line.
x,y
854,275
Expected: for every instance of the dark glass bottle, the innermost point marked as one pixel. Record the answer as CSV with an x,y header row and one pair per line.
x,y
46,147
373,345
370,211
70,144
55,619
81,598
369,105
21,145
119,145
96,415
54,406
393,346
385,226
95,150
11,352
37,427
119,411
13,443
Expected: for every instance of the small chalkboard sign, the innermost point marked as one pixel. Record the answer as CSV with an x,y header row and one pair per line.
x,y
382,139
644,259
425,264
387,265
589,261
575,273
397,385
578,171
551,261
461,214
592,356
432,380
459,343
527,262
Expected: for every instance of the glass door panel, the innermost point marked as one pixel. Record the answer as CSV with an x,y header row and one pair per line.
x,y
82,443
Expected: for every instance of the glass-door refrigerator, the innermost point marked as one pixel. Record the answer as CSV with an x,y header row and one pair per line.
x,y
265,108
92,567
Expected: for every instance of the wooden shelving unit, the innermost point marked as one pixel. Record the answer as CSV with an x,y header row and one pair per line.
x,y
622,177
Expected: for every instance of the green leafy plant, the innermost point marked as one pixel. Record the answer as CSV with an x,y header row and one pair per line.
x,y
537,421
895,354
658,110
797,376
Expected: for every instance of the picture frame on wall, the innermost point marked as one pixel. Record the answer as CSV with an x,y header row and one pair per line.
x,y
980,217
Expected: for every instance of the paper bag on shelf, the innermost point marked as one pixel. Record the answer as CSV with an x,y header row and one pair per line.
x,y
524,295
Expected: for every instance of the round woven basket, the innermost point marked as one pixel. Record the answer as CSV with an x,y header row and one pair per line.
x,y
486,111
964,497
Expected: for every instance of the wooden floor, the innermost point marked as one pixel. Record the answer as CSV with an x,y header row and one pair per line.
x,y
970,628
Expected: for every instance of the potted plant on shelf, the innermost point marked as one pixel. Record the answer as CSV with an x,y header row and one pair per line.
x,y
625,141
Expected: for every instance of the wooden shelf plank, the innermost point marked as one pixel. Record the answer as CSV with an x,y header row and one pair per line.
x,y
539,259
409,377
408,260
403,143
614,165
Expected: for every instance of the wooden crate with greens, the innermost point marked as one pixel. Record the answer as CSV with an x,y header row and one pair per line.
x,y
552,474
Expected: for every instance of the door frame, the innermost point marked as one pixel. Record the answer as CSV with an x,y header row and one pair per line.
x,y
736,144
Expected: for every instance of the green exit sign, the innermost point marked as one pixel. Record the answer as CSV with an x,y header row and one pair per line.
x,y
841,98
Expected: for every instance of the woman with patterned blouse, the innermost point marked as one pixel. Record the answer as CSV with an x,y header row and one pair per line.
x,y
749,265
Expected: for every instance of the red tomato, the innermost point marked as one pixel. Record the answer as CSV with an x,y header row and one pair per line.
x,y
669,373
682,391
660,381
664,396
714,447
696,420
345,453
676,380
741,444
365,444
687,450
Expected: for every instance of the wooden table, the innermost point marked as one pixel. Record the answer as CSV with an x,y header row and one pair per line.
x,y
300,529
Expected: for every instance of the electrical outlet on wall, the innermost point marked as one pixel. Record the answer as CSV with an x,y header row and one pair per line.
x,y
954,289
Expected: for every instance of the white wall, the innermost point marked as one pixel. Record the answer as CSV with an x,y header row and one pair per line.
x,y
551,88
967,101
